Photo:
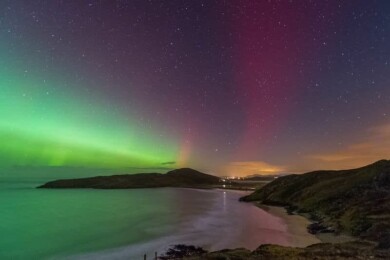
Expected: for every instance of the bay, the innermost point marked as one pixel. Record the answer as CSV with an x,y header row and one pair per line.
x,y
125,224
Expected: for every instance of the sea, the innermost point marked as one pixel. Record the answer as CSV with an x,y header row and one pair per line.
x,y
126,224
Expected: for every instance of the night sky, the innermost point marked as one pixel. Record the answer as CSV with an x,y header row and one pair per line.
x,y
227,87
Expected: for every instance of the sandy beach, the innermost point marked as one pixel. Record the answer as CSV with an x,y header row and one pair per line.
x,y
297,227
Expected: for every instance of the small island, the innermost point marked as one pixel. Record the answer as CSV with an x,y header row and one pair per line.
x,y
184,177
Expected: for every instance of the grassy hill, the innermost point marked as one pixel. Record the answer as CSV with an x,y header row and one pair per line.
x,y
354,201
184,177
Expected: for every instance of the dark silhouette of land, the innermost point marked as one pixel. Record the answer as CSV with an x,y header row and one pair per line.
x,y
322,251
184,177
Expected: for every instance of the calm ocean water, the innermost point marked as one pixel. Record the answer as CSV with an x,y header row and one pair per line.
x,y
125,224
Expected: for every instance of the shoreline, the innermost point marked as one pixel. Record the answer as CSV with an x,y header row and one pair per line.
x,y
226,233
297,226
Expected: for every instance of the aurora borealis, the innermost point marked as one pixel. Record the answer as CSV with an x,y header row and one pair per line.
x,y
228,87
43,125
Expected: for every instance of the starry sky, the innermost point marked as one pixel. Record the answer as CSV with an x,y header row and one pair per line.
x,y
227,87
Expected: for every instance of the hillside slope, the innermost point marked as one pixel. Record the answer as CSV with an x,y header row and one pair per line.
x,y
354,201
184,177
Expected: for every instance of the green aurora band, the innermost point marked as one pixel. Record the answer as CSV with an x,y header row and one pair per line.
x,y
40,128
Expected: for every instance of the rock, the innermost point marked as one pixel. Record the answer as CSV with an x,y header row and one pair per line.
x,y
181,251
316,228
